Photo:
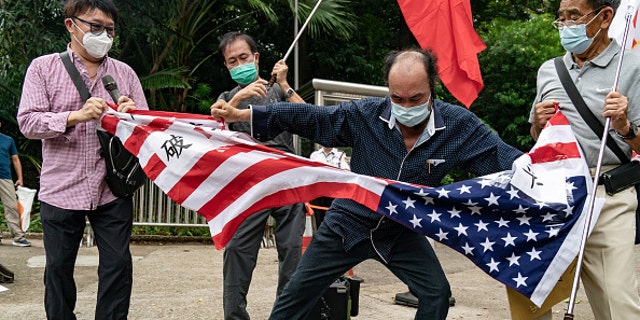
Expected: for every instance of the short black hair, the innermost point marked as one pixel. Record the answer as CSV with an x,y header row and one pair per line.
x,y
428,58
73,8
232,36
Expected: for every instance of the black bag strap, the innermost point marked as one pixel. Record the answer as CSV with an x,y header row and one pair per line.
x,y
75,76
584,111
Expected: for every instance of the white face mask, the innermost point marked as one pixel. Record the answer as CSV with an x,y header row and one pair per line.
x,y
97,46
411,116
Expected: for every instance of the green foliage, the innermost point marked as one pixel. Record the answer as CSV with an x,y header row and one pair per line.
x,y
178,40
27,29
515,51
380,29
328,31
9,98
35,226
36,222
170,231
456,175
28,150
488,10
203,98
331,17
166,78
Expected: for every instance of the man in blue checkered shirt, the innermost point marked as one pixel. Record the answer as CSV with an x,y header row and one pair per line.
x,y
407,136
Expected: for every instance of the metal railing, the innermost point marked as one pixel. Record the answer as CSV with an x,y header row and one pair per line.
x,y
151,207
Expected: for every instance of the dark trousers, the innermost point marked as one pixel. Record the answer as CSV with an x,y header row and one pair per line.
x,y
62,233
241,254
413,261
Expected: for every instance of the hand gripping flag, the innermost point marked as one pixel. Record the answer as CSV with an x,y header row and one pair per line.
x,y
522,227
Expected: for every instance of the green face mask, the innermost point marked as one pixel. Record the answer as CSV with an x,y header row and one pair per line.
x,y
244,74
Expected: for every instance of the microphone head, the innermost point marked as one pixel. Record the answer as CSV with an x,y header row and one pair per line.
x,y
111,87
109,83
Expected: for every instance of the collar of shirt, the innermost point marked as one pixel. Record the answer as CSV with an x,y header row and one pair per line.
x,y
602,60
333,151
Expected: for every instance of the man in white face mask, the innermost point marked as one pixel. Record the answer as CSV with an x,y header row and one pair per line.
x,y
608,270
72,181
408,136
92,34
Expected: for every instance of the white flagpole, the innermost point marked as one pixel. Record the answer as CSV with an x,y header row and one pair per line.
x,y
273,79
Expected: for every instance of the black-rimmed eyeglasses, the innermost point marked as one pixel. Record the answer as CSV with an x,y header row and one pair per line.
x,y
97,28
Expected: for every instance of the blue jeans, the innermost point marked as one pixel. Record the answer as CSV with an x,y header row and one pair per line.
x,y
413,261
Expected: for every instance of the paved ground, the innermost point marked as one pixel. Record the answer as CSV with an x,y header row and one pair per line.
x,y
184,281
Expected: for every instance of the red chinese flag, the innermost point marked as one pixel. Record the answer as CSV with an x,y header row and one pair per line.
x,y
446,27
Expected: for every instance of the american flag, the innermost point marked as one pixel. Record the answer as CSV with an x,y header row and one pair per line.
x,y
617,28
522,226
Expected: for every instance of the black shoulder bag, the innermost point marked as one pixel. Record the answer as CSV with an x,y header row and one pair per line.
x,y
621,177
124,174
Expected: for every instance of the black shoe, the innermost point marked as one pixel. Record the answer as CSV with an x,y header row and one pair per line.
x,y
6,276
408,299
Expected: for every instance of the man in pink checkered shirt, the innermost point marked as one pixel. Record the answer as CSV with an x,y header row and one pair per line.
x,y
72,183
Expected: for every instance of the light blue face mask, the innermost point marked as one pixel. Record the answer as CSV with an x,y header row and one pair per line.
x,y
574,38
245,73
411,116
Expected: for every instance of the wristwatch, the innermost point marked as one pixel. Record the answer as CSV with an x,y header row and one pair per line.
x,y
633,132
289,93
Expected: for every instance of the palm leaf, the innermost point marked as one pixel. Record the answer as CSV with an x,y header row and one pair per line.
x,y
35,161
264,8
168,78
331,17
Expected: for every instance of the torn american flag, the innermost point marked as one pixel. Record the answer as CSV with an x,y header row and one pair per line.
x,y
522,227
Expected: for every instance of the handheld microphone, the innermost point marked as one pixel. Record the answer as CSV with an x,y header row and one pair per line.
x,y
111,87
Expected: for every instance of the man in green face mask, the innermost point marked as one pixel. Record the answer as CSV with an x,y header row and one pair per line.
x,y
241,57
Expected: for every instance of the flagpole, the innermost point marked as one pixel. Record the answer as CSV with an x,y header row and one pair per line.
x,y
295,40
585,232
